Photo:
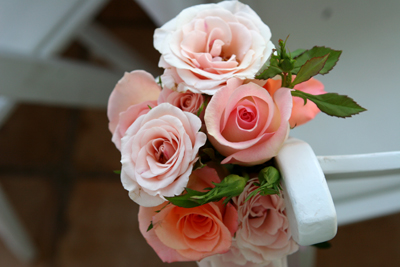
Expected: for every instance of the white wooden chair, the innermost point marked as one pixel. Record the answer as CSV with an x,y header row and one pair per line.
x,y
32,33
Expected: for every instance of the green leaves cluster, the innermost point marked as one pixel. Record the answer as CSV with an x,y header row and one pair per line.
x,y
305,64
229,187
269,182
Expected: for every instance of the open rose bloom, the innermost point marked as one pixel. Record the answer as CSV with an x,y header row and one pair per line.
x,y
176,137
206,45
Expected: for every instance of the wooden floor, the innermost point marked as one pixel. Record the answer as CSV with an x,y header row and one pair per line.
x,y
56,166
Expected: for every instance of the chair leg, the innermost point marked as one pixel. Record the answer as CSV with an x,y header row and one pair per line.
x,y
12,232
7,106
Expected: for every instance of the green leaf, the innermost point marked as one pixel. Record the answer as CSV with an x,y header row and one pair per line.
x,y
117,171
323,245
297,52
160,82
268,191
317,51
202,108
231,186
332,104
185,200
270,72
149,106
311,68
150,226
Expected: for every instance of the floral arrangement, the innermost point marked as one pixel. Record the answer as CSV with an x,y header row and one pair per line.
x,y
196,143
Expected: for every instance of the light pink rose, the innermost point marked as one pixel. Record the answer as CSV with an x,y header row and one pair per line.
x,y
246,124
134,88
189,234
126,118
186,101
263,234
158,152
205,45
300,113
234,258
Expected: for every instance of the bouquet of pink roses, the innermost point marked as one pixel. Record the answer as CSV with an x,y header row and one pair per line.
x,y
196,144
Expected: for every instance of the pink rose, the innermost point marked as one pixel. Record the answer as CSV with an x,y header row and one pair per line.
x,y
234,258
189,234
133,89
246,124
126,118
205,45
300,113
186,101
264,234
158,152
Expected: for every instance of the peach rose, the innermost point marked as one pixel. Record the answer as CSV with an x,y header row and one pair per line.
x,y
246,124
205,45
186,101
300,113
264,234
234,258
158,152
189,234
134,88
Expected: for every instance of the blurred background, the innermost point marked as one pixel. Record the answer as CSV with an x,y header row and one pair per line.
x,y
59,61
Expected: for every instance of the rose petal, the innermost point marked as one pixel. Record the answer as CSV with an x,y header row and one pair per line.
x,y
134,88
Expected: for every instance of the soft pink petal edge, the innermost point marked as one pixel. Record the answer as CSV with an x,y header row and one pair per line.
x,y
133,88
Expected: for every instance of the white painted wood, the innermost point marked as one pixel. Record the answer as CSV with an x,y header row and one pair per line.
x,y
37,29
383,161
7,106
13,233
115,52
162,11
55,81
73,22
310,208
361,185
42,27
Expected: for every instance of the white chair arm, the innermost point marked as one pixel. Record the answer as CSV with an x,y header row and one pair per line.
x,y
309,204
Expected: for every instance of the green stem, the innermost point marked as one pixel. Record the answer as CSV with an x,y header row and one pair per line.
x,y
289,81
284,79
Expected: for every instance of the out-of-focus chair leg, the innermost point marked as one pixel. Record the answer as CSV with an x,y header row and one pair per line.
x,y
13,233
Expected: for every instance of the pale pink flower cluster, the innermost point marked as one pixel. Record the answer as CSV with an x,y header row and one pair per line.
x,y
211,54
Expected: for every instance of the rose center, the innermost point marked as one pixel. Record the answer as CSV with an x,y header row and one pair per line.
x,y
186,102
164,152
246,117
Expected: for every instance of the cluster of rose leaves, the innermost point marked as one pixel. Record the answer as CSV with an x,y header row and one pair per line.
x,y
195,147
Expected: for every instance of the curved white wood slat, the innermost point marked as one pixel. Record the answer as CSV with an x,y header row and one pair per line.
x,y
55,81
309,204
383,161
162,11
119,55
